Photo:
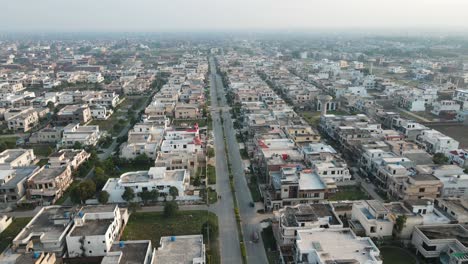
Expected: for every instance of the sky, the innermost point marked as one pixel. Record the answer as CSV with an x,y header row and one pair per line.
x,y
190,15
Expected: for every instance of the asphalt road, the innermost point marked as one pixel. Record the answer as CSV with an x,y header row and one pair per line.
x,y
224,208
250,220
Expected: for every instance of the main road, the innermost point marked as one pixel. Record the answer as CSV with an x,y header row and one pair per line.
x,y
250,219
224,208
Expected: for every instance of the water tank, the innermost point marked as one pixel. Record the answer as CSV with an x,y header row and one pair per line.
x,y
173,238
66,214
36,255
80,214
121,244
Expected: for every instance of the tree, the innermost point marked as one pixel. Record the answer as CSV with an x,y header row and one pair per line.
x,y
170,209
133,207
83,191
154,194
77,145
196,181
400,223
210,152
174,192
145,196
141,160
128,194
439,158
103,197
213,230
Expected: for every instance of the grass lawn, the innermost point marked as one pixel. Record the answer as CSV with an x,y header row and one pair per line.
x,y
12,231
211,174
269,243
392,255
10,142
153,225
313,118
348,193
43,150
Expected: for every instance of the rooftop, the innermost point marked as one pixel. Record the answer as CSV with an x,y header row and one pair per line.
x,y
47,174
446,232
92,228
180,249
133,252
340,246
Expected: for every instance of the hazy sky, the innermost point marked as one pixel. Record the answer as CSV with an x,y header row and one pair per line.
x,y
164,15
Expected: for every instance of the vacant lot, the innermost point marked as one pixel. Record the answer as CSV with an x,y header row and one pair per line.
x,y
348,193
154,225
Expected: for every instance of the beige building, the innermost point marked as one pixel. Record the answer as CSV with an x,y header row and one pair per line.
x,y
12,158
23,121
186,111
47,185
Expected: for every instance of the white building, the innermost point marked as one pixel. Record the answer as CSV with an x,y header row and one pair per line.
x,y
336,170
156,178
372,217
435,142
334,246
100,112
85,135
13,158
445,106
95,229
461,96
444,243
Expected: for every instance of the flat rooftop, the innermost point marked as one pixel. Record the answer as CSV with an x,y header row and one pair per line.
x,y
181,250
48,174
20,174
92,228
43,224
446,232
10,155
340,246
133,252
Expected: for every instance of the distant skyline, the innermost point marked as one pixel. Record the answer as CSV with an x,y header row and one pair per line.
x,y
219,15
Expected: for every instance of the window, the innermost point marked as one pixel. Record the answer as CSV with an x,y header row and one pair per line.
x,y
90,252
372,229
89,242
422,189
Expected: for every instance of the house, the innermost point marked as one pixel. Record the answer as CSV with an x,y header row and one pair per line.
x,y
292,185
47,185
180,249
47,135
156,178
304,217
100,112
461,96
27,258
23,121
459,157
456,208
334,246
13,158
84,135
74,114
445,106
416,213
46,232
186,111
370,218
68,157
442,243
133,251
435,142
13,183
95,229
